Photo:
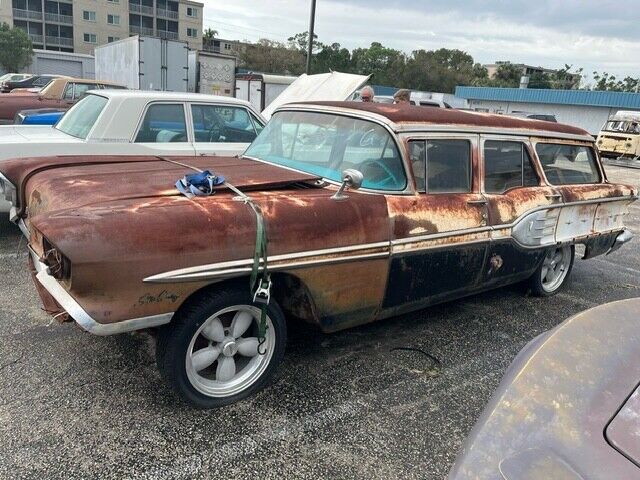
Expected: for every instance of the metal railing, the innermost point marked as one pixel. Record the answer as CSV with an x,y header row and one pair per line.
x,y
161,12
35,38
59,41
136,30
168,35
143,9
58,18
27,14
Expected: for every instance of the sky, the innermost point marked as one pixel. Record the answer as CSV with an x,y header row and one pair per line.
x,y
598,35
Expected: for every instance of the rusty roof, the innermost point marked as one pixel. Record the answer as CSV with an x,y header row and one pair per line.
x,y
399,113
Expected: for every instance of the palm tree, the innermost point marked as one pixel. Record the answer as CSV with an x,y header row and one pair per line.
x,y
209,34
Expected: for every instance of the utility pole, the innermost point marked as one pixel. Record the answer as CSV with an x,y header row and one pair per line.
x,y
312,21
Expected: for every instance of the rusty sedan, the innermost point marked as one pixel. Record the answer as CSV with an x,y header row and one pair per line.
x,y
367,210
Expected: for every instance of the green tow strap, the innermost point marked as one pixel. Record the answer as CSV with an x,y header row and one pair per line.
x,y
259,286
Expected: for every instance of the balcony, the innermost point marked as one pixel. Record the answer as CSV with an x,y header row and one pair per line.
x,y
58,18
141,9
59,41
27,14
136,30
161,12
35,38
168,35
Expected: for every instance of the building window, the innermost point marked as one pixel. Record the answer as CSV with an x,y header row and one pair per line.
x,y
89,16
90,38
113,19
192,12
192,32
112,39
113,1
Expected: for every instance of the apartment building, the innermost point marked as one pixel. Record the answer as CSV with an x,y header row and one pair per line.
x,y
81,25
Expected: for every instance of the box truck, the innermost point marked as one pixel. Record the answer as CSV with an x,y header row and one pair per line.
x,y
144,63
212,73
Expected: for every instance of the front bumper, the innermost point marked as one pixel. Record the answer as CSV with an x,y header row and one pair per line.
x,y
80,315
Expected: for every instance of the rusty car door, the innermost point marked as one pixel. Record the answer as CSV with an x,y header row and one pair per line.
x,y
438,234
511,183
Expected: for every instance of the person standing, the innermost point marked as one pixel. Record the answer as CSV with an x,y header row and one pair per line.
x,y
402,96
366,94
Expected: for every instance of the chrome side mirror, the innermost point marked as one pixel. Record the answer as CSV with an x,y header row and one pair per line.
x,y
350,178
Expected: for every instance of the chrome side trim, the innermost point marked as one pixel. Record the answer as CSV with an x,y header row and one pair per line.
x,y
313,258
624,237
75,310
23,228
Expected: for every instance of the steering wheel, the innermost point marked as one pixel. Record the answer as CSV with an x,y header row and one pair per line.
x,y
216,132
390,177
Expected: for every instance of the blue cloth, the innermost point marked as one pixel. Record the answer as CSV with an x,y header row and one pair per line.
x,y
199,184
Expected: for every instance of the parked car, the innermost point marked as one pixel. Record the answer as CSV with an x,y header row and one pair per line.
x,y
568,406
547,117
12,77
33,82
620,135
125,122
59,93
369,211
38,116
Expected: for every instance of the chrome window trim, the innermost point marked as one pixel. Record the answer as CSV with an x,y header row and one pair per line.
x,y
222,105
526,141
594,151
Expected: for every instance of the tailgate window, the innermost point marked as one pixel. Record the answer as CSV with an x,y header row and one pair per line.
x,y
566,164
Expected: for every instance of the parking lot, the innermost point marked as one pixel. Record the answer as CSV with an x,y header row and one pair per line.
x,y
370,402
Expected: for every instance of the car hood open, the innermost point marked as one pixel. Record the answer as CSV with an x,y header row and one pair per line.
x,y
61,183
334,86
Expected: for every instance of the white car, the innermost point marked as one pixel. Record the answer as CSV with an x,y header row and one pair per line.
x,y
125,122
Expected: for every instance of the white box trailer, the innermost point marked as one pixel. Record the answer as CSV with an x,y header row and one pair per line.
x,y
261,89
144,63
212,73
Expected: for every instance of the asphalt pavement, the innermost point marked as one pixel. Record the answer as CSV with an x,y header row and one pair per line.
x,y
345,405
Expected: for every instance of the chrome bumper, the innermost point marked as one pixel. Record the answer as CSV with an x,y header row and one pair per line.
x,y
82,318
624,237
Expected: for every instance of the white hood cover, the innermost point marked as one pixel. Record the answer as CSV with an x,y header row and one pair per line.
x,y
334,86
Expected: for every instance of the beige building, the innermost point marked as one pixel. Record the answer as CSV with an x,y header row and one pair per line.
x,y
81,25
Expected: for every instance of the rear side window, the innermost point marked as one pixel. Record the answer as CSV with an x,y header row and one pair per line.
x,y
568,164
441,166
163,123
507,165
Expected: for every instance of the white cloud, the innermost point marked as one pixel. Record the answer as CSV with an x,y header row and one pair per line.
x,y
547,35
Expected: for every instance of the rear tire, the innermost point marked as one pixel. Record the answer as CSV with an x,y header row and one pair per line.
x,y
553,273
209,354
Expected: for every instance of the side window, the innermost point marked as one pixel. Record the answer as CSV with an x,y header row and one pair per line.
x,y
163,123
257,123
441,166
222,123
68,91
507,165
81,89
566,164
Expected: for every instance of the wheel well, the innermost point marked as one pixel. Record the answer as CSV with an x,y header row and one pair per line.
x,y
288,290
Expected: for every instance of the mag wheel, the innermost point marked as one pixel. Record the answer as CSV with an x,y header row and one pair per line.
x,y
553,272
210,353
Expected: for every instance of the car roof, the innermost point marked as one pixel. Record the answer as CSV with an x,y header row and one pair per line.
x,y
409,117
170,96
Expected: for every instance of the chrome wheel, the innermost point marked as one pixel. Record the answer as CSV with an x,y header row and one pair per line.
x,y
222,357
555,268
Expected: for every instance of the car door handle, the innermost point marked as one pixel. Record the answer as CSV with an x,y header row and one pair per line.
x,y
552,195
477,202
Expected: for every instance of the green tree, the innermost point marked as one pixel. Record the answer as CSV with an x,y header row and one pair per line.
x,y
209,34
440,70
332,58
16,50
539,80
268,56
385,64
507,75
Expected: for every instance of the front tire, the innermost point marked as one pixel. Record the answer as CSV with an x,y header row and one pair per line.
x,y
209,353
552,274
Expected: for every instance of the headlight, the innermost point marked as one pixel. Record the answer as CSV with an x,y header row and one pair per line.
x,y
59,265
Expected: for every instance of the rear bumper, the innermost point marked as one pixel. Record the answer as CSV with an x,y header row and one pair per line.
x,y
624,237
69,305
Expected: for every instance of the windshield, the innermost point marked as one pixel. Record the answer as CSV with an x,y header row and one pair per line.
x,y
325,144
622,126
79,120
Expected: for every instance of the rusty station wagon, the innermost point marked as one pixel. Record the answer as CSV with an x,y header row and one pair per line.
x,y
370,210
